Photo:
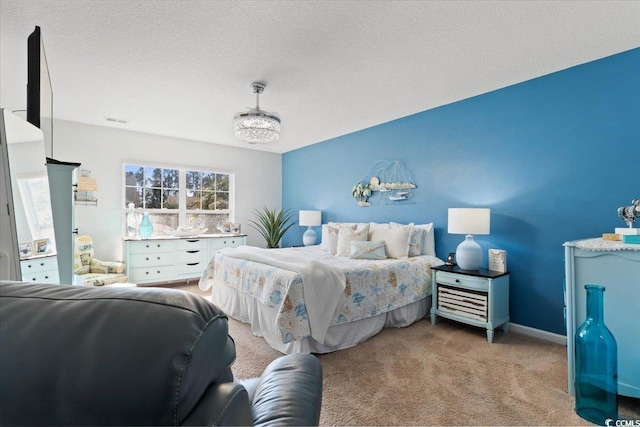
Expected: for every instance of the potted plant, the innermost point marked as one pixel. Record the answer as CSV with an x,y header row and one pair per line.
x,y
361,193
272,224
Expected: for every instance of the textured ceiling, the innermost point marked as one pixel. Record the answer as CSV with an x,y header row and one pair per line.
x,y
183,68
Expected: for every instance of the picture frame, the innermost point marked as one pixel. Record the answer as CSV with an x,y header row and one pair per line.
x,y
42,246
25,249
236,228
498,260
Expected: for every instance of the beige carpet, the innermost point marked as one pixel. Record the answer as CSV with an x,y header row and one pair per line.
x,y
446,374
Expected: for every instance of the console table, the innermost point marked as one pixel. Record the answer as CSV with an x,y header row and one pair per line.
x,y
174,258
616,266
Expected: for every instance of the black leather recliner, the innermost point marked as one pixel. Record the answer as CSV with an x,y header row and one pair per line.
x,y
73,355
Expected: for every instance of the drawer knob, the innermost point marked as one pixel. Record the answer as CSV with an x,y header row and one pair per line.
x,y
146,272
147,258
457,280
158,271
42,264
158,257
147,245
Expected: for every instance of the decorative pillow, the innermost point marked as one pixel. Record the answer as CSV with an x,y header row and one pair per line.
x,y
416,241
429,246
346,235
396,240
368,250
375,226
326,245
331,242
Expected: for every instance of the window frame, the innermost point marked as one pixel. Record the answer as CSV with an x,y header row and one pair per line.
x,y
182,210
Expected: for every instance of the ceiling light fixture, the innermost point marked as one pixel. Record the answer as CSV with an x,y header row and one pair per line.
x,y
256,125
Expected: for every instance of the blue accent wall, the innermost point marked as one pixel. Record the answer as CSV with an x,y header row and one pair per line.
x,y
553,157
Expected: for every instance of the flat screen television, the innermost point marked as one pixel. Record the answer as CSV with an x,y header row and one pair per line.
x,y
39,91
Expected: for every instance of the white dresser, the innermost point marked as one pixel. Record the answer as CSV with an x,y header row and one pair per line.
x,y
616,266
40,269
174,259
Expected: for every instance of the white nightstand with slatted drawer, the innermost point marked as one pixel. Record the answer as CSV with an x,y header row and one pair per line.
x,y
475,297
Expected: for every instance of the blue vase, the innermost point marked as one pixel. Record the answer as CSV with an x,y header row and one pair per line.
x,y
596,363
146,228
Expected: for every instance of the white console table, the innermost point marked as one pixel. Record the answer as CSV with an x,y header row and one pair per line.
x,y
167,259
616,266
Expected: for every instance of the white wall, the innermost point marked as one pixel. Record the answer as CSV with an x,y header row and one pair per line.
x,y
100,149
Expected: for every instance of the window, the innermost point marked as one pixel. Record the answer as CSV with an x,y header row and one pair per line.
x,y
36,199
178,195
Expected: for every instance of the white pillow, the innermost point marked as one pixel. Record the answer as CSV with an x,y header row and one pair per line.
x,y
326,244
429,247
376,226
331,242
416,241
346,235
396,239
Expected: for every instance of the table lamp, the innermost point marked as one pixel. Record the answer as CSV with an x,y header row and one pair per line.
x,y
310,219
469,221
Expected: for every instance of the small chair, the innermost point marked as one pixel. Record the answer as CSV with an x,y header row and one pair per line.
x,y
90,271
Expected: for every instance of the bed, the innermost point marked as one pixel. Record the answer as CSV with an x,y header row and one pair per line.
x,y
310,300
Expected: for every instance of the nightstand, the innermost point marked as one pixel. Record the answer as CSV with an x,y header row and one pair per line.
x,y
475,297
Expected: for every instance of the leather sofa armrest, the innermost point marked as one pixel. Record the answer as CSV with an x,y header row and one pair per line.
x,y
289,392
226,404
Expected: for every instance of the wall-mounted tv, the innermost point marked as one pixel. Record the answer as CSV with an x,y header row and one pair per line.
x,y
39,91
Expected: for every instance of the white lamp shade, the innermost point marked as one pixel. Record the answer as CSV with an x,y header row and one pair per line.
x,y
469,221
310,218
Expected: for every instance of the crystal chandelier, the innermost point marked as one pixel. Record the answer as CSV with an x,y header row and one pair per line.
x,y
256,125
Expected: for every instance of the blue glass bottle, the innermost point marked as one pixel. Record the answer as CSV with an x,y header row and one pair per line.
x,y
146,228
596,363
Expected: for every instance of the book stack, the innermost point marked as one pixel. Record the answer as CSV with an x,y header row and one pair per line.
x,y
626,235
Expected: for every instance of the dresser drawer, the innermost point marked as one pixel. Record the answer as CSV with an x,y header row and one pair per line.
x,y
193,255
50,276
192,268
31,266
150,246
468,282
226,242
152,274
157,259
192,244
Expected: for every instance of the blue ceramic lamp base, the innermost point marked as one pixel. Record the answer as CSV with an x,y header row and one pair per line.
x,y
309,237
469,254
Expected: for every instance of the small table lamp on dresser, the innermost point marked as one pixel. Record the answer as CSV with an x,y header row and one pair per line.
x,y
310,219
469,221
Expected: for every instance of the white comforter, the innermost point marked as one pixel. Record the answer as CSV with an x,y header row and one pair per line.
x,y
322,284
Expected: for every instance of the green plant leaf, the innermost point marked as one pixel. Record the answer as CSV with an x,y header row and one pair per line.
x,y
272,224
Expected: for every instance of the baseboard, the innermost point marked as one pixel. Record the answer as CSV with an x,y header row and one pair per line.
x,y
538,333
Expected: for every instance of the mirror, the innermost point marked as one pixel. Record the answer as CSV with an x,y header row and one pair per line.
x,y
29,191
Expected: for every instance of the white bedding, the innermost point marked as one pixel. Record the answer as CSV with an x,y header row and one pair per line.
x,y
377,293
